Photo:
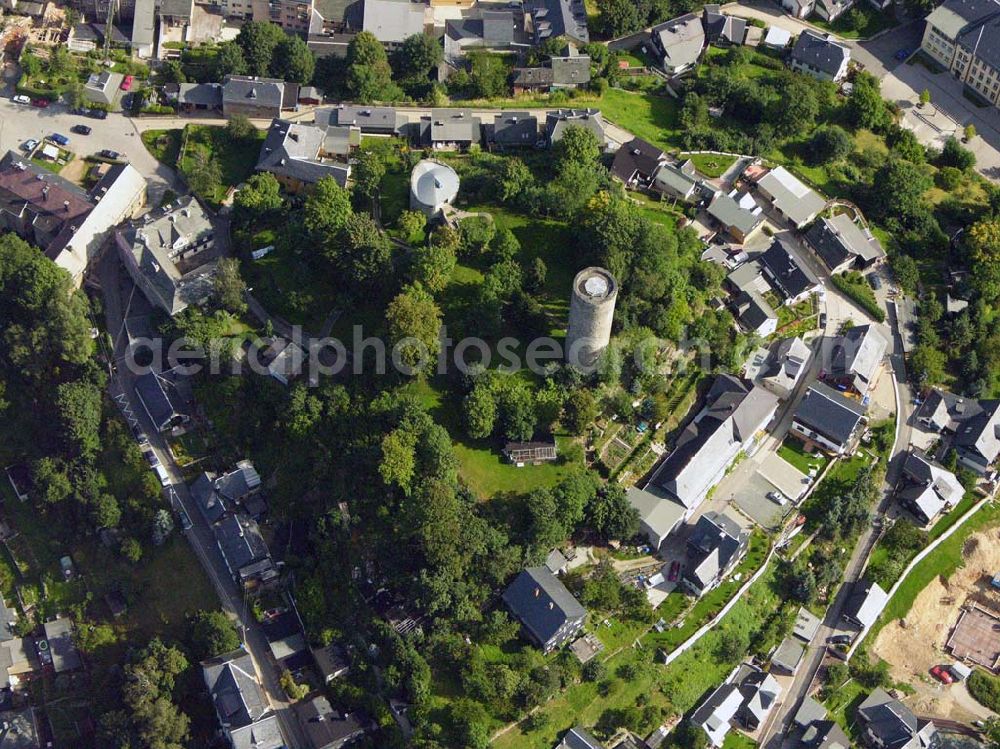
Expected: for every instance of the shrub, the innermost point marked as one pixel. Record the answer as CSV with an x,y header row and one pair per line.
x,y
985,689
859,293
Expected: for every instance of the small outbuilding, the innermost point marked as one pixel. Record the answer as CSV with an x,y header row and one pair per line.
x,y
433,185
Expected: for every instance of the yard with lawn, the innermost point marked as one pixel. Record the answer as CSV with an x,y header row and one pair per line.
x,y
843,702
209,144
860,22
164,145
792,451
712,165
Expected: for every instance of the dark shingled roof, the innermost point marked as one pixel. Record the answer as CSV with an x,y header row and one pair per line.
x,y
636,156
819,52
889,719
155,399
541,602
784,270
829,413
514,129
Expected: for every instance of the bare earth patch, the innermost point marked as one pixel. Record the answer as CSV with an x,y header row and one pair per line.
x,y
912,646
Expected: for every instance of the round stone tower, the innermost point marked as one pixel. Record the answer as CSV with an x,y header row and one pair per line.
x,y
591,310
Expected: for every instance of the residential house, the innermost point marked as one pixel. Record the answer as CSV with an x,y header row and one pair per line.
x,y
828,420
578,738
806,625
340,141
446,130
788,656
511,130
886,723
974,426
525,80
191,97
865,603
295,154
370,120
714,716
927,489
258,98
820,56
331,662
551,19
241,706
748,278
678,43
557,121
486,28
329,44
103,88
636,162
728,424
143,28
736,216
156,395
721,29
831,10
69,224
964,37
61,650
237,489
294,16
715,547
310,96
549,614
760,692
786,366
795,201
842,244
674,181
160,255
570,70
778,39
797,9
19,729
326,728
87,37
393,21
819,732
856,359
659,515
754,314
786,272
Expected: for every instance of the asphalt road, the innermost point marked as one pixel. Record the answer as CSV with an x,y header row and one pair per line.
x,y
200,536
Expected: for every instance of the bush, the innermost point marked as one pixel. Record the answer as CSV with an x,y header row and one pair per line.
x,y
859,293
985,689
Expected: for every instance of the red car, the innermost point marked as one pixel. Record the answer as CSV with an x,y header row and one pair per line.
x,y
40,103
942,675
127,83
675,569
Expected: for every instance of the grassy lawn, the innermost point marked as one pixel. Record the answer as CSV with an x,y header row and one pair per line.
x,y
953,516
236,160
736,740
941,562
652,117
709,164
861,22
792,452
164,145
844,701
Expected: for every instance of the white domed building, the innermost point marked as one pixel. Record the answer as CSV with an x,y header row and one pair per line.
x,y
433,185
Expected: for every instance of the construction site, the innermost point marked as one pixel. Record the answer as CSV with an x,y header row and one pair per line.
x,y
951,619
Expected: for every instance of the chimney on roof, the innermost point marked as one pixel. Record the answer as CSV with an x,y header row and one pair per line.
x,y
66,205
537,592
45,192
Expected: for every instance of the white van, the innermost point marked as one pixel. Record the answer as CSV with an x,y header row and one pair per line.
x,y
161,474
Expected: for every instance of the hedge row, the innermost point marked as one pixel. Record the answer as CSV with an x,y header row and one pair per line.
x,y
861,295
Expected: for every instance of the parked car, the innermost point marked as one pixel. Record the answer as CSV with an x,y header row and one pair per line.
x,y
942,675
185,520
675,571
151,458
778,498
822,319
98,114
127,83
902,54
839,639
81,129
20,99
30,145
61,140
140,436
107,153
162,475
40,103
874,281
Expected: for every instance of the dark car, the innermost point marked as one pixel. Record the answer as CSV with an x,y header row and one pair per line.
x,y
839,640
107,153
80,130
875,281
151,458
902,54
40,103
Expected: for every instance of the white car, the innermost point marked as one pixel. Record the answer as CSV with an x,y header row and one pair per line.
x,y
20,99
30,145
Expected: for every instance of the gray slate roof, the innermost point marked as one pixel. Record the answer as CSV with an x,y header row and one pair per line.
x,y
789,654
59,634
792,196
890,720
555,18
673,181
260,92
955,16
637,157
557,122
514,129
529,598
570,71
393,20
722,27
681,40
292,149
866,602
786,272
328,728
714,544
155,400
236,694
200,94
819,52
369,119
857,355
728,212
837,240
579,738
830,413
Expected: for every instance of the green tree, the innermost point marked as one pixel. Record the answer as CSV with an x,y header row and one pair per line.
x,y
417,57
830,143
414,322
258,41
411,224
229,61
258,198
970,132
898,190
131,549
79,406
292,60
369,77
369,169
204,175
905,269
230,289
925,97
610,514
579,410
578,145
514,180
865,106
954,154
433,266
367,258
210,634
163,526
104,511
983,243
240,128
327,209
621,17
480,410
51,480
